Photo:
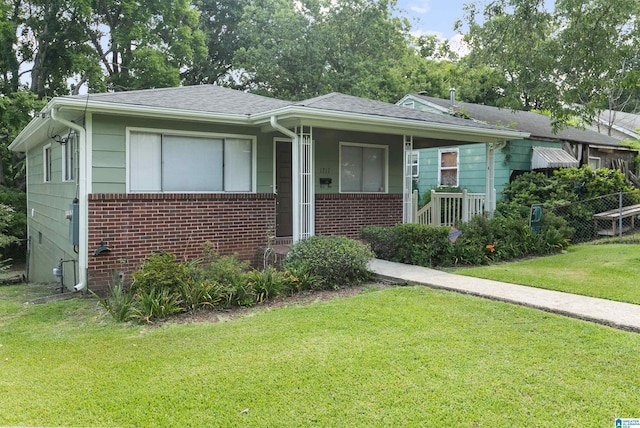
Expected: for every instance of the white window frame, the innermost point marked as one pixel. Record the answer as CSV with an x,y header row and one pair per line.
x,y
441,168
384,148
595,159
47,163
69,162
415,163
178,133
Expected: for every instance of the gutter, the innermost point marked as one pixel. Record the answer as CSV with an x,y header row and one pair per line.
x,y
311,114
83,255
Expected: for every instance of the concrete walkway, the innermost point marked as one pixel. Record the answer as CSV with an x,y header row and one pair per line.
x,y
624,316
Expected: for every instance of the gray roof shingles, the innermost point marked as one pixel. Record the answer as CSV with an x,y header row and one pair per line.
x,y
349,104
538,125
219,100
201,98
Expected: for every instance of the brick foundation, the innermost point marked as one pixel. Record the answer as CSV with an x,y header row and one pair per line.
x,y
346,214
135,226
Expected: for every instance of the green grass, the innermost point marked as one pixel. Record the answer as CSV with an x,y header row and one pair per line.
x,y
607,271
395,357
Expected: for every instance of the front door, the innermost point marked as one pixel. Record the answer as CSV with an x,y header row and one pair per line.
x,y
284,200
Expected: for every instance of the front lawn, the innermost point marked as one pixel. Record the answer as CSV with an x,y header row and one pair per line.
x,y
609,271
394,357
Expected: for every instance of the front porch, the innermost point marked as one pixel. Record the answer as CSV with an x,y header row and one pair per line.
x,y
449,209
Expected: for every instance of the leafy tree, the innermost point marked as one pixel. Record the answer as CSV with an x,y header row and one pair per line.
x,y
219,21
297,50
16,110
598,55
143,44
513,37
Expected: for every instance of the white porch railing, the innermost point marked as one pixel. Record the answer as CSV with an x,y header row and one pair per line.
x,y
447,209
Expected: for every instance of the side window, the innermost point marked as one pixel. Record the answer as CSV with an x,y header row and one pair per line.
x,y
46,163
415,164
448,167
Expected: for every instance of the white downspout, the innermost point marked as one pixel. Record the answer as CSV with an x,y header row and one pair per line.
x,y
83,253
295,174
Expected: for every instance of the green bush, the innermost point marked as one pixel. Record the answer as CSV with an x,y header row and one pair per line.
x,y
482,241
16,224
229,277
160,272
335,260
422,245
120,303
382,239
157,303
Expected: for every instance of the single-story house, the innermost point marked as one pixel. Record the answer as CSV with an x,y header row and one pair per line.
x,y
114,177
542,149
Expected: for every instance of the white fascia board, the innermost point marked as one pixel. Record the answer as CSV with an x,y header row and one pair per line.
x,y
403,126
36,124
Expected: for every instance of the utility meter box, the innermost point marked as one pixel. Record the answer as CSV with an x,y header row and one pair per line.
x,y
74,223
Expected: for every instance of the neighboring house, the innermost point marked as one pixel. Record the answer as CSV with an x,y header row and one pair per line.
x,y
464,166
113,178
618,124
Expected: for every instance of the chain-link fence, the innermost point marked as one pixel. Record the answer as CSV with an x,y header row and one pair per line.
x,y
609,216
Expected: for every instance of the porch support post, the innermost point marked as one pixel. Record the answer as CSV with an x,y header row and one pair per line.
x,y
306,186
407,187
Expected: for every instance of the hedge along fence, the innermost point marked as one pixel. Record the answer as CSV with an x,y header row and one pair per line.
x,y
481,241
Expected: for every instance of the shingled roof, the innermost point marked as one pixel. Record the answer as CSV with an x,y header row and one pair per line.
x,y
220,100
538,125
200,98
336,101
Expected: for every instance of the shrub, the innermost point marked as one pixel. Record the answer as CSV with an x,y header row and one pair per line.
x,y
157,303
334,260
160,272
119,303
198,294
301,278
15,225
270,283
229,278
422,245
382,239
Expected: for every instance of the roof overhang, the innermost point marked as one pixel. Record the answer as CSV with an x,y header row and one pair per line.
x,y
291,116
551,157
425,132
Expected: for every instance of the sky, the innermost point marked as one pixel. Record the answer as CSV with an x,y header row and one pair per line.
x,y
433,16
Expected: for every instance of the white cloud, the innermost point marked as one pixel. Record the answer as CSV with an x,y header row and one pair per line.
x,y
420,7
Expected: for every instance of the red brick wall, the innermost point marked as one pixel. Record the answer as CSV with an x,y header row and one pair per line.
x,y
134,226
346,214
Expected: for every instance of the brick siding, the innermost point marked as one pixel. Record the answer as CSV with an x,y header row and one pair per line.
x,y
135,226
346,214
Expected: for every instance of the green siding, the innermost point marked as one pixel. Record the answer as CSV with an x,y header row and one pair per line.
x,y
516,156
48,226
327,157
109,160
109,144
